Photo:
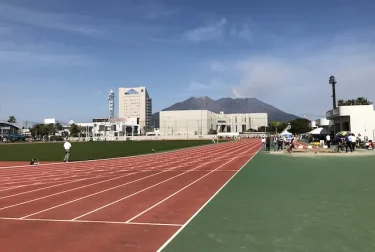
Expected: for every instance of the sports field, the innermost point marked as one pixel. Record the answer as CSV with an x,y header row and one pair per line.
x,y
90,150
218,197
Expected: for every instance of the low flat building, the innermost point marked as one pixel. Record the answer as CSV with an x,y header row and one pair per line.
x,y
324,123
204,122
110,128
359,119
8,128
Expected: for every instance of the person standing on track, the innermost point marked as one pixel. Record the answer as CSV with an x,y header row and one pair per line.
x,y
328,141
67,147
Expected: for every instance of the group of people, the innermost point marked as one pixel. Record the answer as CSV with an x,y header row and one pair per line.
x,y
278,142
349,142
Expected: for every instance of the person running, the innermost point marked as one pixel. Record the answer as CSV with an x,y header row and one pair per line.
x,y
291,145
67,147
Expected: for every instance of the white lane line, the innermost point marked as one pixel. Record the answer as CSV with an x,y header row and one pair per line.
x,y
128,196
39,189
200,209
192,183
100,222
73,189
87,196
147,188
65,203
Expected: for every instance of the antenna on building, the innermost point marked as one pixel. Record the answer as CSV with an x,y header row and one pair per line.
x,y
111,104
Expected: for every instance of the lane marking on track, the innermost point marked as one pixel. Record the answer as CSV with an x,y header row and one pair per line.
x,y
39,189
201,208
180,190
173,169
128,196
100,222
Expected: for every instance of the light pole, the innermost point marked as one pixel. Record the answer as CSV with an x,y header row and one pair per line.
x,y
332,81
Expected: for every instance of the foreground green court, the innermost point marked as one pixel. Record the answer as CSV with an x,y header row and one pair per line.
x,y
90,150
289,203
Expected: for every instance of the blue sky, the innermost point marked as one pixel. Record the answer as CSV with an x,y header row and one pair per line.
x,y
59,58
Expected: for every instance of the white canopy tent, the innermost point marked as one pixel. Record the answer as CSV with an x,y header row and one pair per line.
x,y
319,131
286,134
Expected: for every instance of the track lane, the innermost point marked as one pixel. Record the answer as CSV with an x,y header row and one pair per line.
x,y
95,236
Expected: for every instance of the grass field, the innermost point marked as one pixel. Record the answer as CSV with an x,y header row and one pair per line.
x,y
89,150
290,204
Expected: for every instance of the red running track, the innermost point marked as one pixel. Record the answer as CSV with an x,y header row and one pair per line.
x,y
122,204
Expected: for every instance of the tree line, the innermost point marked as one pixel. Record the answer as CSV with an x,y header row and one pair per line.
x,y
353,102
298,126
47,130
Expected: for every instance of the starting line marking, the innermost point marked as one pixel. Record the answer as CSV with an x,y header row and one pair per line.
x,y
100,222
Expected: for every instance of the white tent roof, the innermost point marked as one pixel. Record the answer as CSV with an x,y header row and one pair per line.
x,y
319,131
285,132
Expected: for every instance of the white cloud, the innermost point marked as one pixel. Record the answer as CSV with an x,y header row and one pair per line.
x,y
37,59
244,32
206,33
299,83
156,11
63,22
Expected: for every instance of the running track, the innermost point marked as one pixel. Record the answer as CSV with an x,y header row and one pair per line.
x,y
122,204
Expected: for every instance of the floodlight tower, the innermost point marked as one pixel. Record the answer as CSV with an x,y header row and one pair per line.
x,y
332,81
111,104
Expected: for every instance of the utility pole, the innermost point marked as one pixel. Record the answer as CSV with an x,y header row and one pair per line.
x,y
332,81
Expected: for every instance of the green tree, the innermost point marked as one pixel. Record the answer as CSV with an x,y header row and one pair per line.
x,y
352,102
58,126
276,126
12,119
300,126
74,130
50,128
39,130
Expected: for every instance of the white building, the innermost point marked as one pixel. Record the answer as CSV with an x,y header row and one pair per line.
x,y
136,103
323,123
359,119
203,122
104,128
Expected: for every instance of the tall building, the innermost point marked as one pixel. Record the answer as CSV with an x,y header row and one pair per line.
x,y
136,103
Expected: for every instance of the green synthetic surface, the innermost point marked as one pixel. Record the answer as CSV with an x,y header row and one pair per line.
x,y
290,204
89,150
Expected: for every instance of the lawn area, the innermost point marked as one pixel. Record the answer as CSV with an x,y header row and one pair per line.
x,y
89,150
290,204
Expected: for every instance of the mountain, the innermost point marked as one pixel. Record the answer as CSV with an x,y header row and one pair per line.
x,y
229,106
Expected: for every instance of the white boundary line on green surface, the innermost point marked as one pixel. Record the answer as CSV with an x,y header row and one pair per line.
x,y
112,158
204,205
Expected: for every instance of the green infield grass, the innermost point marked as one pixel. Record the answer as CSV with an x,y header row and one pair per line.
x,y
90,150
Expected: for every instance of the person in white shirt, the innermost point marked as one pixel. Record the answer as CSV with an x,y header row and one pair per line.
x,y
264,142
67,147
328,141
